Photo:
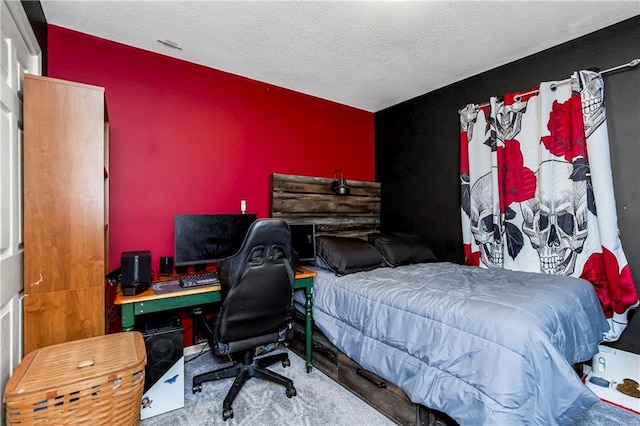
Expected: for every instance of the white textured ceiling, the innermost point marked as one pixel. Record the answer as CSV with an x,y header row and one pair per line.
x,y
369,55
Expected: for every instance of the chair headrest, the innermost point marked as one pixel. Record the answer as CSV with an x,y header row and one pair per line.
x,y
266,232
263,232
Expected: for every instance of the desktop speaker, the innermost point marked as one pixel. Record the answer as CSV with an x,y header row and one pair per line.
x,y
136,272
164,348
166,265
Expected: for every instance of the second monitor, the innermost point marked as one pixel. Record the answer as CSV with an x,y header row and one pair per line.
x,y
303,240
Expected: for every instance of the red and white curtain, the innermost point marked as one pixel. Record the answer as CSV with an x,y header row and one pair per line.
x,y
537,191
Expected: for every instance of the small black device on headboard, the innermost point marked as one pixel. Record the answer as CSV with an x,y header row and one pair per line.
x,y
303,240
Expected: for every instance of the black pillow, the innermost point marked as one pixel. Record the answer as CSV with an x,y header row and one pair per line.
x,y
344,255
402,249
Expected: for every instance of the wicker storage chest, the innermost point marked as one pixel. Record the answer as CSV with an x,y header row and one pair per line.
x,y
97,381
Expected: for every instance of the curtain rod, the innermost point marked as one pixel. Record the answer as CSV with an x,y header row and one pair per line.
x,y
630,64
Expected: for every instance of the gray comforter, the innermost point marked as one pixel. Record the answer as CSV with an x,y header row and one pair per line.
x,y
485,346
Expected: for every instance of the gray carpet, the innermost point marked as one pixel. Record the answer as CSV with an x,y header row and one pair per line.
x,y
319,401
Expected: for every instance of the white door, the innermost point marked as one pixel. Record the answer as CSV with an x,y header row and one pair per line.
x,y
20,54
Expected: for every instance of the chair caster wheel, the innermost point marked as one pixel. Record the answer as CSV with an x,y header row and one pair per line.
x,y
291,392
286,363
227,414
196,389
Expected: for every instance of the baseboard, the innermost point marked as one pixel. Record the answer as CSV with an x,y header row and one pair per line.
x,y
196,349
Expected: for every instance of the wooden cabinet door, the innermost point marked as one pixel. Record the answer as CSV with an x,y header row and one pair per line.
x,y
62,316
64,210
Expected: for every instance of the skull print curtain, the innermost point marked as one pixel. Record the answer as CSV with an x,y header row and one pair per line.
x,y
537,192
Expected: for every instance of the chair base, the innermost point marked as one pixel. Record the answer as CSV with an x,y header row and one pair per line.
x,y
243,370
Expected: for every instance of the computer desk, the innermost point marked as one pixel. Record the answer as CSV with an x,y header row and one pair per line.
x,y
148,302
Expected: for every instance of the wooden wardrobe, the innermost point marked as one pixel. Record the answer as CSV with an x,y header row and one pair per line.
x,y
65,211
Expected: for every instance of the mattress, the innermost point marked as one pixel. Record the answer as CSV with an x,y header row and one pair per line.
x,y
485,346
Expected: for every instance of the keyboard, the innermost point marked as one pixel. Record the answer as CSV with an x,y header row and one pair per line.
x,y
198,280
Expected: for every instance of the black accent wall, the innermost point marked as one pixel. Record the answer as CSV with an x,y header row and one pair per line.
x,y
417,142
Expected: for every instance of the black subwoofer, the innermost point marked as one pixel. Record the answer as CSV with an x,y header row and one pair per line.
x,y
164,348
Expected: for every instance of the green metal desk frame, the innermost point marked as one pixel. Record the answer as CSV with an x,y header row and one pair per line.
x,y
306,283
129,309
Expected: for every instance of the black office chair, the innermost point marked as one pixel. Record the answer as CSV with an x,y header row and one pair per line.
x,y
257,290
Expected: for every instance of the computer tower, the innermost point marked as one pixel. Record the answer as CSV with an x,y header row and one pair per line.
x,y
164,373
136,272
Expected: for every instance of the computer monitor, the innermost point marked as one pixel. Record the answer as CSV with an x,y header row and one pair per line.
x,y
303,240
207,238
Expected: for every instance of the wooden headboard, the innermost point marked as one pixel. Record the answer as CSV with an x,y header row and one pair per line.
x,y
309,199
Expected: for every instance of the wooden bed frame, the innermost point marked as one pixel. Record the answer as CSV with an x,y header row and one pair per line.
x,y
310,199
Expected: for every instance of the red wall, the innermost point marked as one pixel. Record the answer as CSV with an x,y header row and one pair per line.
x,y
189,139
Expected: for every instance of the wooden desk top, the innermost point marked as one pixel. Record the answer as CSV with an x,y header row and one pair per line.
x,y
148,294
304,273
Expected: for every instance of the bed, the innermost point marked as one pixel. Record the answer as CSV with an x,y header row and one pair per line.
x,y
485,346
